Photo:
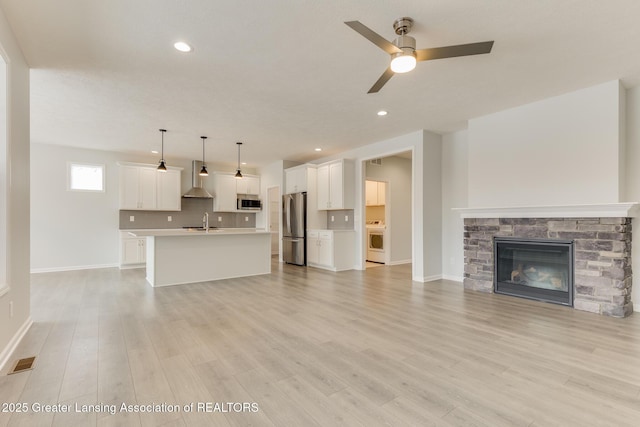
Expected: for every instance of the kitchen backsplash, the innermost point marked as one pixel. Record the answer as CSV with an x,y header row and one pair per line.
x,y
342,219
190,216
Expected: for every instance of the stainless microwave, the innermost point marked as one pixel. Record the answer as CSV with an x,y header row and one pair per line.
x,y
248,202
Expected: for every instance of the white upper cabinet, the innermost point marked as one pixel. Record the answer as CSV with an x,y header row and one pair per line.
x,y
226,188
335,185
168,191
375,193
248,185
295,179
142,187
225,196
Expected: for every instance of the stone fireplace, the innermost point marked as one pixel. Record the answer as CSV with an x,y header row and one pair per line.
x,y
601,245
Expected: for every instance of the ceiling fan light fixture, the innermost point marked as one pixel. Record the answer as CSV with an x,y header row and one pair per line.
x,y
404,61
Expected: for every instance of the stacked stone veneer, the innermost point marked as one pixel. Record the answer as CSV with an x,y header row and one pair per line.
x,y
602,270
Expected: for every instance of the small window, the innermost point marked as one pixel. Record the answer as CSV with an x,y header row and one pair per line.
x,y
86,177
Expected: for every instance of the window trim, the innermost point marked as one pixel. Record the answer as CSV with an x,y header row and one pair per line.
x,y
102,166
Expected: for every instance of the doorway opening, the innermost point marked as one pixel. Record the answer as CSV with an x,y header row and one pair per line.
x,y
387,210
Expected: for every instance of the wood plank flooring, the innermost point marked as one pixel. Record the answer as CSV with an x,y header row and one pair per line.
x,y
316,348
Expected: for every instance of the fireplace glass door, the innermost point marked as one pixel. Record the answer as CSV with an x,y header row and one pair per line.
x,y
534,268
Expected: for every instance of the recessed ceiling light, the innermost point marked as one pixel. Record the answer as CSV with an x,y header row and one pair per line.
x,y
182,47
382,113
243,163
318,149
154,151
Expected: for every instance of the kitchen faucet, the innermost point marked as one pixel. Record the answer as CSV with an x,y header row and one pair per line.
x,y
205,221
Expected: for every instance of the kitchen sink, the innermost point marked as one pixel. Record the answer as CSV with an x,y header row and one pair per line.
x,y
196,229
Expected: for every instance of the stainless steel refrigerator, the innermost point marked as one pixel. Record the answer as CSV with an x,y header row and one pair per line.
x,y
294,228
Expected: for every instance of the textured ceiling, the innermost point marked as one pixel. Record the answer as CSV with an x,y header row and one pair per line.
x,y
286,76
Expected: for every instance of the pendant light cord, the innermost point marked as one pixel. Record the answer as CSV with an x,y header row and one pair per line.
x,y
238,173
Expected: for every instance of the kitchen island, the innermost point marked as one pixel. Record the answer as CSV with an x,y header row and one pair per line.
x,y
179,256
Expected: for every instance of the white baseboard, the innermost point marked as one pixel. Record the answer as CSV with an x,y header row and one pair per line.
x,y
403,261
131,266
427,278
13,344
453,278
72,268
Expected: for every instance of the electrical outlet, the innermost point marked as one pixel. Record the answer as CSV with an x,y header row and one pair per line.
x,y
11,309
246,219
346,218
169,218
132,218
219,219
332,218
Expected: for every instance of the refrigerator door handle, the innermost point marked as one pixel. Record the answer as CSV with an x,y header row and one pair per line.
x,y
287,214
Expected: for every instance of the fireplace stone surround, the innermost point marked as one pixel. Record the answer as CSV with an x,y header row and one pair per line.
x,y
602,241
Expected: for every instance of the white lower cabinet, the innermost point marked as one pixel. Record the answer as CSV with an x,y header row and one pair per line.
x,y
133,251
331,249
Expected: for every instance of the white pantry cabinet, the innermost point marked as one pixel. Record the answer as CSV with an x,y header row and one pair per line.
x,y
132,250
142,187
331,249
335,185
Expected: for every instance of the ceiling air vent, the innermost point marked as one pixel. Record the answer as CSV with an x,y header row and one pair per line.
x,y
376,162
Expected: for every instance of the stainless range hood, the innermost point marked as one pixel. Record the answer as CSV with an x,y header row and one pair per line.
x,y
197,190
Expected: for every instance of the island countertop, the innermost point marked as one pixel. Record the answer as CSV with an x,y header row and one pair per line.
x,y
157,232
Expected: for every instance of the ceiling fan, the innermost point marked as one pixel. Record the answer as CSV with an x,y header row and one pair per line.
x,y
403,49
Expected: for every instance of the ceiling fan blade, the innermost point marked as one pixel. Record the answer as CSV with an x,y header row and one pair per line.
x,y
373,37
453,51
384,78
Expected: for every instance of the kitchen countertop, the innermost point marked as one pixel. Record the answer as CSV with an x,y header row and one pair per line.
x,y
190,232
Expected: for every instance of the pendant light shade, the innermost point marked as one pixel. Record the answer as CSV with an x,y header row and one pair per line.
x,y
238,173
162,167
203,171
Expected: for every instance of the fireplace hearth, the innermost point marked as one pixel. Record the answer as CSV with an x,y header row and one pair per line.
x,y
537,269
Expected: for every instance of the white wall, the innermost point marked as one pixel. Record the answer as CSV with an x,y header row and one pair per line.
x,y
454,195
558,151
396,171
432,205
17,184
66,226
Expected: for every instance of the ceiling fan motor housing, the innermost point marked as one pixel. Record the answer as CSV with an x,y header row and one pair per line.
x,y
405,42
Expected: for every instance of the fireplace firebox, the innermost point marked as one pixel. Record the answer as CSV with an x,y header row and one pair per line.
x,y
534,268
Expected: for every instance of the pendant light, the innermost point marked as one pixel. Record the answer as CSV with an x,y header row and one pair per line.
x,y
238,173
203,171
162,167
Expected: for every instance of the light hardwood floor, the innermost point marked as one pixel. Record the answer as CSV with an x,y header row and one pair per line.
x,y
316,348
